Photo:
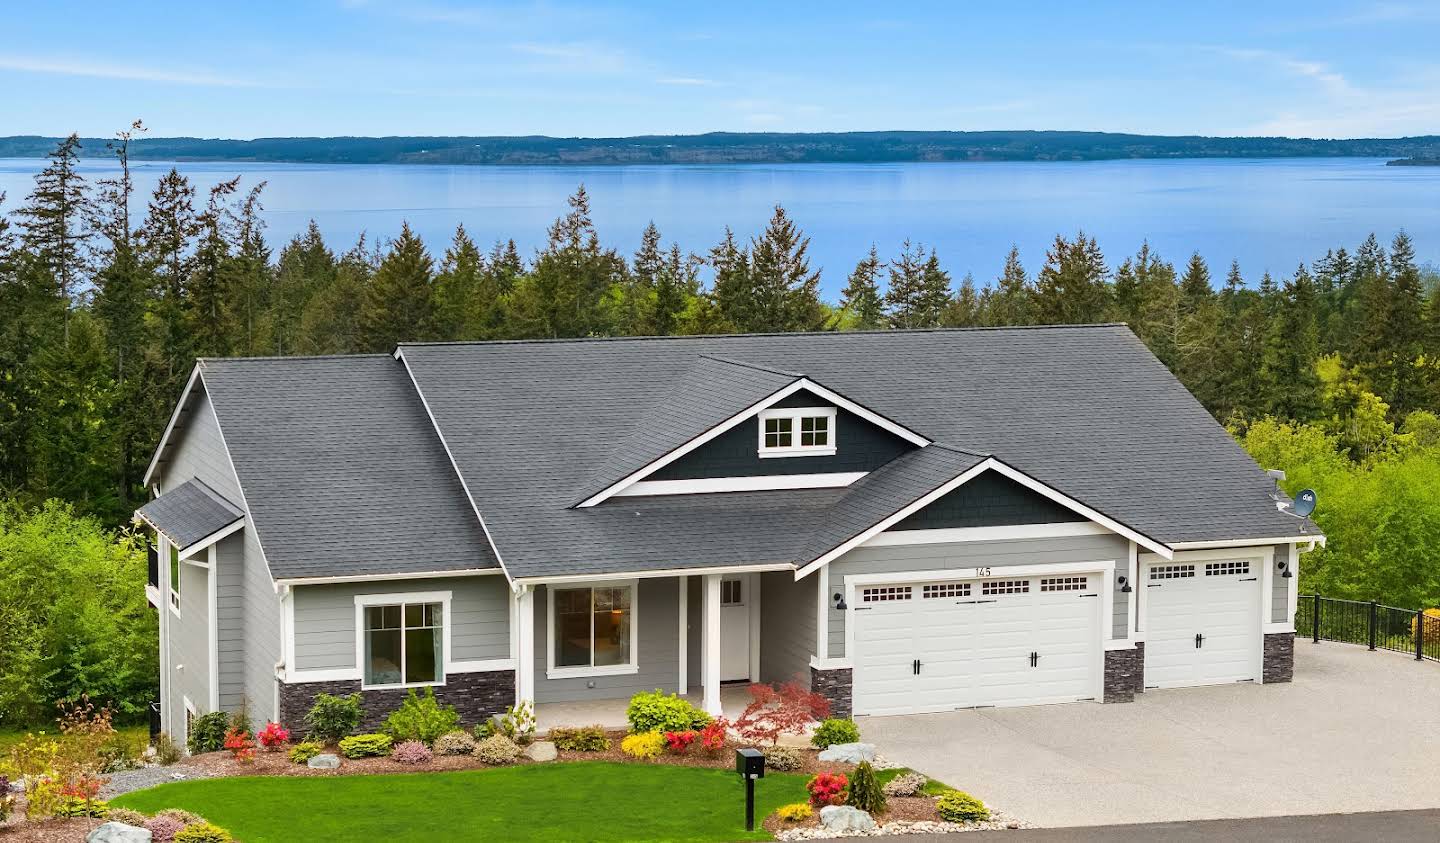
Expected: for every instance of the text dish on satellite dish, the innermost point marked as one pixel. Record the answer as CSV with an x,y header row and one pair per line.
x,y
1304,503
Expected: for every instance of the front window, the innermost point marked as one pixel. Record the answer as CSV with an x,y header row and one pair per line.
x,y
797,432
404,644
174,578
593,626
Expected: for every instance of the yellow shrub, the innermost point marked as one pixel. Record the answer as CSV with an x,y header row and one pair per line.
x,y
795,813
1432,626
645,745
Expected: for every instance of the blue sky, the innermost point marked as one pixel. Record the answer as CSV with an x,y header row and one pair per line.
x,y
377,67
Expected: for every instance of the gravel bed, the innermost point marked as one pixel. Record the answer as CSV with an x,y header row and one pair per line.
x,y
128,780
997,822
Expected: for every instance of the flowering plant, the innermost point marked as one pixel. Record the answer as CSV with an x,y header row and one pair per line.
x,y
240,744
273,736
827,789
679,742
712,737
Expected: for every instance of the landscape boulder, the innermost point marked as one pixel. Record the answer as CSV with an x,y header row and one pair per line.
x,y
849,753
113,832
324,761
845,818
541,751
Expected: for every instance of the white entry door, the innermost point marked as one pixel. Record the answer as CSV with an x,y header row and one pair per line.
x,y
940,646
735,603
1202,623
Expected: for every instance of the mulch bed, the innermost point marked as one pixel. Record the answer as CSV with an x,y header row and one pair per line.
x,y
18,830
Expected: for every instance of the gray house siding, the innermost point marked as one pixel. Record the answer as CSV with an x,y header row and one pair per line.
x,y
230,559
787,626
860,446
990,500
658,608
966,555
190,644
325,632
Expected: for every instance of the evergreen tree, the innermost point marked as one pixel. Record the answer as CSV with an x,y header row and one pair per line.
x,y
965,310
168,239
861,298
919,290
306,266
399,302
566,292
208,290
1157,304
1011,303
676,287
53,224
1198,334
1405,338
330,323
1291,350
459,288
639,297
732,289
1195,289
786,292
250,277
1072,288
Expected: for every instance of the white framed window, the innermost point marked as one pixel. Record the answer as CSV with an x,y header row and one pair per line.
x,y
593,629
885,594
1171,572
989,587
174,578
946,589
1064,583
797,432
1225,569
403,639
732,592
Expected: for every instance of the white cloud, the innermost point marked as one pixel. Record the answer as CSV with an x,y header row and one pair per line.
x,y
108,70
690,81
575,56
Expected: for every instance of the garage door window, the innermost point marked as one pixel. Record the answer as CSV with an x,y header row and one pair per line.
x,y
947,589
1171,572
1005,587
1225,569
886,594
1065,584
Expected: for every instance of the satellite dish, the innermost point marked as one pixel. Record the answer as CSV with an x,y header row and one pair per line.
x,y
1304,502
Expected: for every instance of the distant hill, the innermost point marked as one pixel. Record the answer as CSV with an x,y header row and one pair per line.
x,y
740,148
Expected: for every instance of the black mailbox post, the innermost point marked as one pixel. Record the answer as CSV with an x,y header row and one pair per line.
x,y
750,764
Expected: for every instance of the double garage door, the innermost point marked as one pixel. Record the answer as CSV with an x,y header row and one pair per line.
x,y
938,646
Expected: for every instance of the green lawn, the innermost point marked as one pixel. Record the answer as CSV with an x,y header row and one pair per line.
x,y
931,788
569,801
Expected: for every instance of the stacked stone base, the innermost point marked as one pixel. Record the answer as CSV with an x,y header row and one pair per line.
x,y
1124,674
1279,658
476,697
837,687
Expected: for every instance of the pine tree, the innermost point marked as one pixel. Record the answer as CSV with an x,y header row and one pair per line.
x,y
567,290
330,322
1198,334
208,289
250,279
1157,302
1195,289
53,225
1072,288
919,290
787,293
399,302
676,286
965,310
168,246
306,266
861,298
1291,350
1012,301
1406,331
732,289
459,289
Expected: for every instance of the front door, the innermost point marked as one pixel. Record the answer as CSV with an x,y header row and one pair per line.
x,y
735,628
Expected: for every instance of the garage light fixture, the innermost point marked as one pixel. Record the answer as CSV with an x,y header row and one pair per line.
x,y
1124,584
840,601
1284,569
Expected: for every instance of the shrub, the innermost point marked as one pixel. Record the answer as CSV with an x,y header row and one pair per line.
x,y
518,723
79,806
485,729
865,792
421,718
455,743
273,736
117,756
162,828
644,746
181,816
412,752
365,746
166,751
241,745
497,750
835,731
240,717
42,798
957,807
905,784
203,832
657,711
331,718
679,742
827,789
581,739
712,737
302,752
207,732
7,799
783,758
795,813
127,816
780,710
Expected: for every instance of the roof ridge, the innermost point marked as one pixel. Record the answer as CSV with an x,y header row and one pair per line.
x,y
948,447
275,358
749,365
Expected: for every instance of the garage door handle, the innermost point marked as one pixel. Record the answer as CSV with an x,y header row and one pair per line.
x,y
1199,640
1034,659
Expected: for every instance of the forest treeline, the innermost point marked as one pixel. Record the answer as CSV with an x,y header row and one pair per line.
x,y
104,312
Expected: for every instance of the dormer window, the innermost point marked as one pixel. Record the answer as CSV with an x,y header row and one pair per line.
x,y
797,432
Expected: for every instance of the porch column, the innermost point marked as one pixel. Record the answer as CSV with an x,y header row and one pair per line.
x,y
683,683
525,646
710,645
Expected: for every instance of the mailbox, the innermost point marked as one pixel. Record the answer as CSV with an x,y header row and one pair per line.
x,y
750,763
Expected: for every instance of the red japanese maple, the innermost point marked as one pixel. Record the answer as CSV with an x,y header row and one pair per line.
x,y
780,710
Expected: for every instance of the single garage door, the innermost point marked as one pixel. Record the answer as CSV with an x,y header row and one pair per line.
x,y
1202,623
939,646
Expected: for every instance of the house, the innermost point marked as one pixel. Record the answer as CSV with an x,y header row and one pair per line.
x,y
906,521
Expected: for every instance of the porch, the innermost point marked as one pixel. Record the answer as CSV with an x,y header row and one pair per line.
x,y
610,713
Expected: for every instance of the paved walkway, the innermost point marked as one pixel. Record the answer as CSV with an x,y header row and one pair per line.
x,y
1355,732
1387,827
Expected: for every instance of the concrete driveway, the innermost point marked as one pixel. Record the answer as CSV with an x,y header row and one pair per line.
x,y
1356,731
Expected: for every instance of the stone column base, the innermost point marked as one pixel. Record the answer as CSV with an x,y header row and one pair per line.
x,y
476,697
1124,674
834,685
1279,660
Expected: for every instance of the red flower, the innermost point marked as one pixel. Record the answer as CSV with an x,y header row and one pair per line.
x,y
238,742
827,789
712,737
273,736
679,742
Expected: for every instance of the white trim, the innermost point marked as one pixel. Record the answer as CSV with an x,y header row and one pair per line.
x,y
287,624
753,604
426,575
1118,644
212,539
987,464
1271,628
1244,542
822,615
525,645
682,682
212,583
152,595
552,671
769,401
1132,575
650,575
710,646
479,666
172,594
951,535
185,721
170,425
455,465
339,674
830,664
757,483
795,449
362,601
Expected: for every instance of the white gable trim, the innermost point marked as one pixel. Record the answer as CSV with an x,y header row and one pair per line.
x,y
213,538
1017,532
170,426
757,483
1248,542
988,464
749,412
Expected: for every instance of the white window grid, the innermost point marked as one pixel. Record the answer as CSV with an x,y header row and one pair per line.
x,y
1064,583
1224,569
989,587
797,431
886,594
732,593
946,589
1171,572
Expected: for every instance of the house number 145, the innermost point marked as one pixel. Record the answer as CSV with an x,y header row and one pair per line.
x,y
982,572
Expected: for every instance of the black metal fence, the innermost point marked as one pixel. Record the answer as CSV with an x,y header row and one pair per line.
x,y
1374,625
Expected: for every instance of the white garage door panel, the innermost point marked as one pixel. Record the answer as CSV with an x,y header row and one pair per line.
x,y
1224,608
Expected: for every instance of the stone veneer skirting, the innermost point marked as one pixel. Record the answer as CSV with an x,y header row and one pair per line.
x,y
1279,659
476,697
836,686
1124,674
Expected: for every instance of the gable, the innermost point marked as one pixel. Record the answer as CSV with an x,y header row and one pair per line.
x,y
861,446
989,500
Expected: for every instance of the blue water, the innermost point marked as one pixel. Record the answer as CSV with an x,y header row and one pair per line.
x,y
1268,214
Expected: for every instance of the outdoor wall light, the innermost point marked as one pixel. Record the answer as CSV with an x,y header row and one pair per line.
x,y
840,601
1124,582
1284,570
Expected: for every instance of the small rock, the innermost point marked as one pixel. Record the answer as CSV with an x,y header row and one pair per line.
x,y
845,818
324,761
1012,824
113,832
541,751
178,776
849,753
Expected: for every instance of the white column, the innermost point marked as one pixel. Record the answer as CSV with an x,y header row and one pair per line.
x,y
822,614
683,633
754,585
162,549
1132,574
525,649
710,645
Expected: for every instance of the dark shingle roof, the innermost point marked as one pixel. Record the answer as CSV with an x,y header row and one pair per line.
x,y
341,468
190,512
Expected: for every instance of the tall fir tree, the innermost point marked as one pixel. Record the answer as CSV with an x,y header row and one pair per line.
x,y
1012,301
306,266
1407,381
53,225
572,281
965,309
919,290
250,277
399,302
732,290
1291,349
208,292
330,322
676,287
861,299
786,291
458,289
168,239
1072,288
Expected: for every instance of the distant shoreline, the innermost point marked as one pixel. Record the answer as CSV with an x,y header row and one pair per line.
x,y
743,148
